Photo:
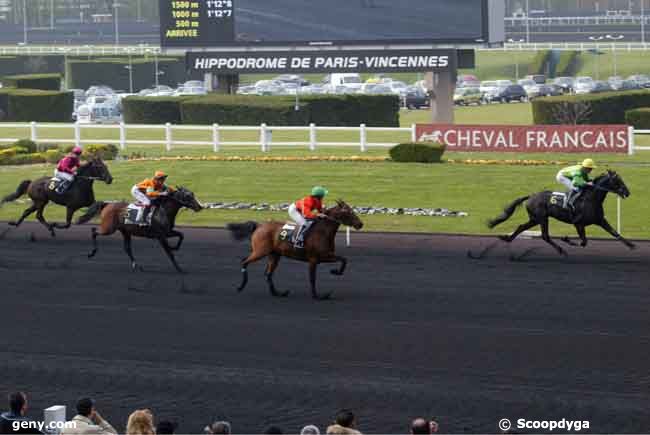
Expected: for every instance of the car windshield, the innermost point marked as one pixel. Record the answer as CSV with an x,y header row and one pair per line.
x,y
351,80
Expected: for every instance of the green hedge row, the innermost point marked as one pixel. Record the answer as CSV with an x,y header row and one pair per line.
x,y
335,110
638,118
568,64
32,64
605,108
26,152
44,82
26,105
420,152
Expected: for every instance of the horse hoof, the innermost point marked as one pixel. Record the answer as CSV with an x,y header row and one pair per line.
x,y
278,294
12,223
323,297
504,239
336,272
632,246
92,254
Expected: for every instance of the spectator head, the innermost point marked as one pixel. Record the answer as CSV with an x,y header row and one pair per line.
x,y
18,403
218,427
310,430
274,430
140,423
166,427
420,426
345,418
434,426
85,406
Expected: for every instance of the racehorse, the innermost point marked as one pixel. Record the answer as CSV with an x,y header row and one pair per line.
x,y
114,215
588,211
79,195
319,246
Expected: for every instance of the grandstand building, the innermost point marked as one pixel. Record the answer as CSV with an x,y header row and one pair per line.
x,y
575,8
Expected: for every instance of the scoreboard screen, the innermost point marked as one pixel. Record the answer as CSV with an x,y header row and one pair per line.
x,y
210,23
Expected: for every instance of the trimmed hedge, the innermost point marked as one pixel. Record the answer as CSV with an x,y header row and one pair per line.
x,y
568,64
330,110
606,108
638,118
22,153
242,110
27,105
44,82
152,110
420,152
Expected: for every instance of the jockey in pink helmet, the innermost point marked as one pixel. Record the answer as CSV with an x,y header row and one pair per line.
x,y
67,167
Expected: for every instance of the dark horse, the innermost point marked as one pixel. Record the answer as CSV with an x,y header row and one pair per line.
x,y
319,246
588,211
79,195
113,217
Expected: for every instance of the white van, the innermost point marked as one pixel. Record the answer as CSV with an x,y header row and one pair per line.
x,y
349,80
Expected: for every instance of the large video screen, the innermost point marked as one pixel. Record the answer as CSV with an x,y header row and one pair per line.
x,y
241,22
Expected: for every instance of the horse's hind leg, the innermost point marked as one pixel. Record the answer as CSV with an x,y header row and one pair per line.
x,y
252,258
547,238
129,251
272,265
26,213
520,229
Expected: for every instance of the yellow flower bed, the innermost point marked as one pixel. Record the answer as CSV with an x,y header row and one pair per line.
x,y
507,162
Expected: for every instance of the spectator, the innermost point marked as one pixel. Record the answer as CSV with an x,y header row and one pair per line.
x,y
274,430
15,415
88,420
166,427
420,426
434,426
344,425
140,423
218,427
310,430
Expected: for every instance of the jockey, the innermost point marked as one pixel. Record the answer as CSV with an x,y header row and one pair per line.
x,y
575,178
305,211
147,190
66,169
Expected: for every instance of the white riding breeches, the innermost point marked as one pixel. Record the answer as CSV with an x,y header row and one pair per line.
x,y
295,215
141,197
64,176
566,181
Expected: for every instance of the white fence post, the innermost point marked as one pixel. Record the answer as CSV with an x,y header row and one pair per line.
x,y
630,134
263,137
32,131
168,136
312,137
347,236
77,134
215,138
122,136
414,133
363,137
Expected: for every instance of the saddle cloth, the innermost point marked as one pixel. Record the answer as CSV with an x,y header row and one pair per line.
x,y
54,184
559,199
289,232
131,216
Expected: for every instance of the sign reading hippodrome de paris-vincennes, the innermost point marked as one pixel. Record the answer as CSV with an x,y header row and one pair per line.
x,y
530,138
321,61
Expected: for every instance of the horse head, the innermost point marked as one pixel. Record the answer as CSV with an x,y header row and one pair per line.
x,y
614,182
96,168
186,198
345,214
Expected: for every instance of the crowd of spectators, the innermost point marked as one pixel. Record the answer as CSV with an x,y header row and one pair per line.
x,y
88,421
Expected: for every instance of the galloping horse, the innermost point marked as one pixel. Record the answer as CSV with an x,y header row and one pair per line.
x,y
319,246
588,211
113,218
79,195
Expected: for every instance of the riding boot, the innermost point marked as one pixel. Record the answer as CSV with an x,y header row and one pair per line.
x,y
145,216
300,237
573,196
62,187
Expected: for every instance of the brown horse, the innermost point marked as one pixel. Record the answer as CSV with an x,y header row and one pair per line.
x,y
79,195
161,228
319,246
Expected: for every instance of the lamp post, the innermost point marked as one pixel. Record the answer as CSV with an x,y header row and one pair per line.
x,y
528,21
613,39
52,14
130,68
516,41
643,22
116,17
24,21
596,39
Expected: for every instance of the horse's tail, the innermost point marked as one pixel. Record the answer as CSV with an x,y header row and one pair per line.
x,y
242,231
507,212
20,191
93,211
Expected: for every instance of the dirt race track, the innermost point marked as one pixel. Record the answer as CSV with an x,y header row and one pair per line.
x,y
416,328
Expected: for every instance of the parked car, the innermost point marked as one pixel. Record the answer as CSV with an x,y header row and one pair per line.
x,y
640,79
508,94
415,98
540,79
601,86
584,85
488,86
349,80
530,86
504,83
565,83
292,78
467,81
550,90
467,96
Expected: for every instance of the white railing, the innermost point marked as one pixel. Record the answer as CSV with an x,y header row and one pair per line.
x,y
640,148
265,135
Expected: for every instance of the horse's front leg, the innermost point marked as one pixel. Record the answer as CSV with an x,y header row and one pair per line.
x,y
41,219
68,219
313,266
607,227
172,234
336,259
